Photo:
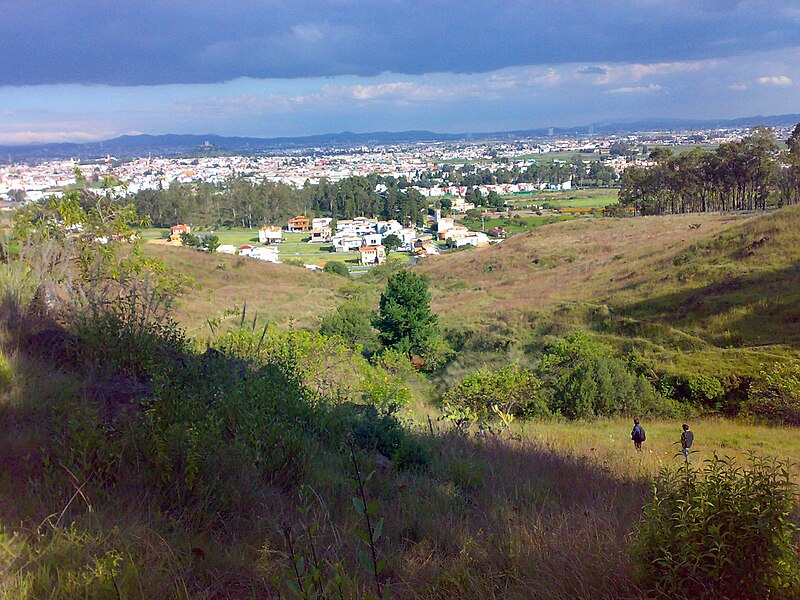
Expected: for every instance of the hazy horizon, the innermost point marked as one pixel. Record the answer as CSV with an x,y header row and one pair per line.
x,y
88,71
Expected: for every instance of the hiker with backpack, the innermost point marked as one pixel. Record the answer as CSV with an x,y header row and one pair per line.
x,y
638,435
687,439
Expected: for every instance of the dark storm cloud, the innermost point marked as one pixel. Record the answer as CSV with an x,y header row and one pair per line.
x,y
147,42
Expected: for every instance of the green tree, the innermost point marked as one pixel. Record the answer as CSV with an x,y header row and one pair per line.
x,y
392,242
337,268
211,243
405,320
352,321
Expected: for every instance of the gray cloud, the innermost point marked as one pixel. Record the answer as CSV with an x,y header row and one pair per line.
x,y
155,42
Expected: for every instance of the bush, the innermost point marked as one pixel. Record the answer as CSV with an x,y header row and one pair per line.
x,y
501,394
775,394
722,531
337,268
586,380
352,321
372,430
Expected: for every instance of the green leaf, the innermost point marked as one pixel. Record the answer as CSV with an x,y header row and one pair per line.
x,y
381,565
358,504
376,533
293,587
365,562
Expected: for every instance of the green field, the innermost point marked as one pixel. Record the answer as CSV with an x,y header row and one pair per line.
x,y
294,246
577,198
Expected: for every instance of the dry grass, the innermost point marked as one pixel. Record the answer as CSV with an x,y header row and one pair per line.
x,y
280,293
711,293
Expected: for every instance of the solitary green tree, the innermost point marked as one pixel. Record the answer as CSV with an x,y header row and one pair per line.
x,y
405,320
211,242
392,242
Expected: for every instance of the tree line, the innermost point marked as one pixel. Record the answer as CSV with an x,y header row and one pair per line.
x,y
240,202
749,174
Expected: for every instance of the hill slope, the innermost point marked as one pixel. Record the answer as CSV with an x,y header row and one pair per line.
x,y
220,285
718,292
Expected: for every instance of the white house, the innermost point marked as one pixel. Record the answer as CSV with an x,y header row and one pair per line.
x,y
474,238
226,249
406,235
266,253
271,234
372,255
389,227
444,223
346,243
321,235
371,239
321,222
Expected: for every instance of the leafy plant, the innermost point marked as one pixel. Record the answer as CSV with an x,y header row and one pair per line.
x,y
721,531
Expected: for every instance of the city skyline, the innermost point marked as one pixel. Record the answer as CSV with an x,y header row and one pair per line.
x,y
87,71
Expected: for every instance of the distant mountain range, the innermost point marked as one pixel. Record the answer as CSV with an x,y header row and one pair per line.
x,y
131,146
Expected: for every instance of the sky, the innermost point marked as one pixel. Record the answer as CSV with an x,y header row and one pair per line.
x,y
84,70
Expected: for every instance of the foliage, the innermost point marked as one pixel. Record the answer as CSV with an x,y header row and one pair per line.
x,y
586,380
337,267
392,242
352,321
239,202
211,243
405,320
774,394
497,394
736,176
721,531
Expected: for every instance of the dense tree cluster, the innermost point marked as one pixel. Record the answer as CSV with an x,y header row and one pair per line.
x,y
749,174
242,203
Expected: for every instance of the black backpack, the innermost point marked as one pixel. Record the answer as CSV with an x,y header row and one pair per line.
x,y
641,435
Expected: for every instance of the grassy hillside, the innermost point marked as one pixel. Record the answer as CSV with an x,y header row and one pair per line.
x,y
220,285
716,293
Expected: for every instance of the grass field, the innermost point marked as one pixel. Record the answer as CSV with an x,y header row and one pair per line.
x,y
714,294
578,198
514,225
609,442
220,285
294,245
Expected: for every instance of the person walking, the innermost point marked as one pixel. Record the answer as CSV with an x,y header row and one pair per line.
x,y
687,439
637,435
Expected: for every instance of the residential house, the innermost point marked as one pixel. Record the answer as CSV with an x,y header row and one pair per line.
x,y
176,231
266,253
227,249
473,238
271,234
457,231
346,243
321,235
299,224
321,222
443,224
371,239
389,227
372,255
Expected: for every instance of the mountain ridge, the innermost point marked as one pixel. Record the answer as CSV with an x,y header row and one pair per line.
x,y
171,144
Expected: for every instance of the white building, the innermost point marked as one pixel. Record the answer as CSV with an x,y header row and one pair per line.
x,y
346,243
271,234
266,253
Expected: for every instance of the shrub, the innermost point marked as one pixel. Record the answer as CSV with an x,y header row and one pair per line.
x,y
337,268
372,430
502,394
586,380
775,394
722,531
352,321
